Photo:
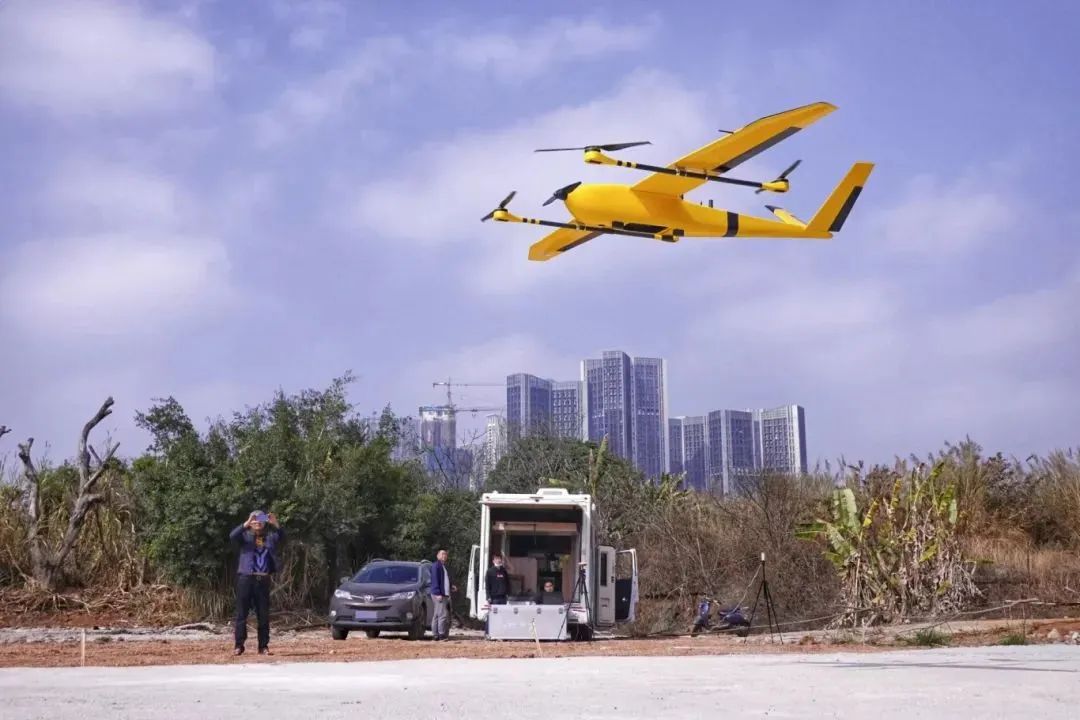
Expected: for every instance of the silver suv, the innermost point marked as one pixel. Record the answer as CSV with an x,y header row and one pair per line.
x,y
384,595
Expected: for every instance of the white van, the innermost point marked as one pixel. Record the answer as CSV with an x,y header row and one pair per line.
x,y
551,535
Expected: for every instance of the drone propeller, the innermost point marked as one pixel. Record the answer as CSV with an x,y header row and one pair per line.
x,y
781,176
561,193
502,206
605,148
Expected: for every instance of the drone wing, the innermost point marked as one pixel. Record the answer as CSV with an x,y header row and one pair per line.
x,y
732,150
559,242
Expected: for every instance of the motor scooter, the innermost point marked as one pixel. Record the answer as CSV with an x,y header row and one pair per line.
x,y
727,619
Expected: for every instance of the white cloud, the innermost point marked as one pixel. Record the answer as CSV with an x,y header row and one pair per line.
x,y
110,58
312,22
129,253
1003,370
393,65
520,57
938,219
93,193
875,371
492,360
310,101
113,284
801,309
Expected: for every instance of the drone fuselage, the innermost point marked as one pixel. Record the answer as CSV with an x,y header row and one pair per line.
x,y
620,206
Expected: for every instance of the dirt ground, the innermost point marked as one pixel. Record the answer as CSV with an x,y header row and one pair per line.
x,y
316,646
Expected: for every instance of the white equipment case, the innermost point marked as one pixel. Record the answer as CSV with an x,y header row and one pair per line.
x,y
527,622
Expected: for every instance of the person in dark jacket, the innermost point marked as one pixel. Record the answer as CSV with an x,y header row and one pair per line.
x,y
258,562
497,581
548,596
441,587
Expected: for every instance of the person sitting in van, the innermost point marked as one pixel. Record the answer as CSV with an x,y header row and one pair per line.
x,y
548,596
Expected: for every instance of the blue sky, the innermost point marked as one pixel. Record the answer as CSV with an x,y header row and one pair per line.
x,y
216,199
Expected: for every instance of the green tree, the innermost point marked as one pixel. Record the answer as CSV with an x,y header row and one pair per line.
x,y
307,457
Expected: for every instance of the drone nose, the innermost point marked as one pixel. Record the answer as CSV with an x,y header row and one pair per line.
x,y
562,193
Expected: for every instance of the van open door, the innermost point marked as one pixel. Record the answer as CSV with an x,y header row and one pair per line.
x,y
471,590
605,587
626,586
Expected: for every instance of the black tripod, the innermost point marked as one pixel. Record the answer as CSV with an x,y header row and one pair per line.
x,y
583,587
770,611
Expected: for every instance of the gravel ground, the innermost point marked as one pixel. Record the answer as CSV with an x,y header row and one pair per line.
x,y
318,647
39,647
1006,682
55,648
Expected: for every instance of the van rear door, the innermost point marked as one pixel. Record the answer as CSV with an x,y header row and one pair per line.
x,y
605,593
471,590
626,586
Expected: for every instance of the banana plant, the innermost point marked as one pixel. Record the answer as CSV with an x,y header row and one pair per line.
x,y
901,553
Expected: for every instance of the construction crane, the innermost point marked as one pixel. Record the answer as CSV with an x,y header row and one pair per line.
x,y
452,410
449,386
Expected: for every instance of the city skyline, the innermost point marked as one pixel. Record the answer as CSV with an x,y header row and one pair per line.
x,y
715,449
624,398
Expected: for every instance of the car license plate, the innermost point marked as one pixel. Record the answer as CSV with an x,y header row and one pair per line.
x,y
366,615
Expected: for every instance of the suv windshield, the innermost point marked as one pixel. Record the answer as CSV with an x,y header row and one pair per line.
x,y
388,574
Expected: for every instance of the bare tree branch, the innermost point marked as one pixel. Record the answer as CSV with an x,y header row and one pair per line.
x,y
86,480
4,430
47,561
38,553
33,482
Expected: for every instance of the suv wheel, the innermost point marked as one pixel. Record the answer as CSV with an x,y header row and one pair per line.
x,y
372,633
416,630
339,633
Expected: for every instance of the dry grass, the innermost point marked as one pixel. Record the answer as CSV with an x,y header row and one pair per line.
x,y
148,605
701,544
1010,567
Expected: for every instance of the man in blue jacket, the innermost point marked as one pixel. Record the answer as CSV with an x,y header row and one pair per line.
x,y
440,595
258,562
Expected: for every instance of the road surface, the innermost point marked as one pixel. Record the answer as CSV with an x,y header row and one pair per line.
x,y
994,682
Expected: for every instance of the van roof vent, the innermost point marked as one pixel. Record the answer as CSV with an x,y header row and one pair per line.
x,y
552,491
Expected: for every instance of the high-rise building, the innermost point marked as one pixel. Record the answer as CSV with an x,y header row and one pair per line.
x,y
626,401
688,449
731,448
648,398
780,435
718,450
450,467
407,445
568,409
438,427
608,382
528,406
494,443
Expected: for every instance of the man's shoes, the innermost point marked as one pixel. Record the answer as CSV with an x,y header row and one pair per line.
x,y
265,651
238,651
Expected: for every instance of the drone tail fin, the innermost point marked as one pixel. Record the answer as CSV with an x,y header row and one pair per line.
x,y
834,211
786,216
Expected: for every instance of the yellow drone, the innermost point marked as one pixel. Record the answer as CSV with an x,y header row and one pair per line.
x,y
655,208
